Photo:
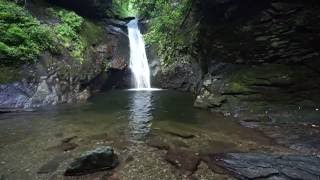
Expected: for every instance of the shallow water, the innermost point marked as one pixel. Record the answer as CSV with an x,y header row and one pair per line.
x,y
123,119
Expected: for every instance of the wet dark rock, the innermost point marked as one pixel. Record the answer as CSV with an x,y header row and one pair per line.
x,y
179,143
52,165
275,93
115,30
129,159
15,96
65,145
179,133
68,139
304,138
2,177
158,143
102,158
116,22
68,146
183,159
268,166
11,110
208,100
92,9
181,76
213,146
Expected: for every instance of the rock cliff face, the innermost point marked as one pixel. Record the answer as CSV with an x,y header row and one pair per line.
x,y
60,78
258,59
265,32
88,8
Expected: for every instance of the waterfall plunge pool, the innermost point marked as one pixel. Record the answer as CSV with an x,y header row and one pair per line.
x,y
125,120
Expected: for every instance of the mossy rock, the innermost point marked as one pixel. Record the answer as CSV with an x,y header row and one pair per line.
x,y
9,74
92,33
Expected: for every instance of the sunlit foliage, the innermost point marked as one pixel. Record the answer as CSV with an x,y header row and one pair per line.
x,y
68,33
166,20
22,37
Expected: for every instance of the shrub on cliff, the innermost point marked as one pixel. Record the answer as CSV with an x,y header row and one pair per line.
x,y
68,33
167,19
22,37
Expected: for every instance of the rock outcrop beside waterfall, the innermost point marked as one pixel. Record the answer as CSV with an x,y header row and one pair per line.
x,y
60,78
256,60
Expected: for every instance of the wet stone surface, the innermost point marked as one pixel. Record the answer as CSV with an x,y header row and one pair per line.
x,y
101,158
183,159
268,166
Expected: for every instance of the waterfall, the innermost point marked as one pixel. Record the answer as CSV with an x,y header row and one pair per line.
x,y
138,58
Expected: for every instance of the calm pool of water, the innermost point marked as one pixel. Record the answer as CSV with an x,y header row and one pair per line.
x,y
121,119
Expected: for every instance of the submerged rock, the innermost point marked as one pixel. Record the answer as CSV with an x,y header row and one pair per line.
x,y
267,166
183,159
65,145
102,158
158,143
2,177
52,165
179,133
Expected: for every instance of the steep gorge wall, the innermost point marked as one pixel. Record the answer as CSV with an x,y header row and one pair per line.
x,y
256,60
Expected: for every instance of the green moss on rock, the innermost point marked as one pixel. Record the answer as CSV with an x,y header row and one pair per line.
x,y
92,33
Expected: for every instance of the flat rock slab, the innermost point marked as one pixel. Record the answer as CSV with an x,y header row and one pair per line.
x,y
267,166
102,158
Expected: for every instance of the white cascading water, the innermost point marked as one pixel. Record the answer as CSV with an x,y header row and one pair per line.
x,y
138,58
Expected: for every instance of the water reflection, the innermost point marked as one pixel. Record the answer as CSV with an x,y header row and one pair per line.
x,y
140,115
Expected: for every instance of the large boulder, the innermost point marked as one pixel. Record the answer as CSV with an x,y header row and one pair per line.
x,y
102,158
184,76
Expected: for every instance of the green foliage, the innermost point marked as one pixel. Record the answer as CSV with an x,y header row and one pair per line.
x,y
92,33
68,33
22,37
167,18
124,8
71,19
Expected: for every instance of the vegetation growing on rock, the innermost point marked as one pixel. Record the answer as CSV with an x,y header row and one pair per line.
x,y
67,32
165,30
22,37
